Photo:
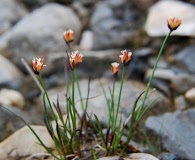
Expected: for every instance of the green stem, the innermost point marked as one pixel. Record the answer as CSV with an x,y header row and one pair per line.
x,y
108,103
79,89
112,110
73,101
119,98
47,96
152,76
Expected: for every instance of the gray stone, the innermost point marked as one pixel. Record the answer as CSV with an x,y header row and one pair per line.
x,y
162,86
102,12
86,42
113,24
41,32
156,23
11,76
82,12
112,38
11,12
96,63
180,103
137,68
164,74
24,143
167,156
186,58
182,82
177,132
116,3
163,64
9,123
87,2
143,52
11,97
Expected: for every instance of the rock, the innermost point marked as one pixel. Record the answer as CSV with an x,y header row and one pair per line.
x,y
185,59
166,80
177,132
94,63
190,95
41,32
116,3
156,23
87,3
164,74
167,156
11,77
24,143
40,156
9,123
182,82
162,64
82,12
142,156
143,52
180,103
138,65
102,11
113,24
133,156
86,42
112,38
10,97
11,12
137,68
162,86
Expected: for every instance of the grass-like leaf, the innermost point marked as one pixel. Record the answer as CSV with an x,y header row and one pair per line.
x,y
40,141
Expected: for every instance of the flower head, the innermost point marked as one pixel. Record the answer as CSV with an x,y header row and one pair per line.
x,y
114,69
68,36
37,65
125,57
173,23
75,60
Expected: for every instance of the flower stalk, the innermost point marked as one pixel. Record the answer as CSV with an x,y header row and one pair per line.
x,y
151,78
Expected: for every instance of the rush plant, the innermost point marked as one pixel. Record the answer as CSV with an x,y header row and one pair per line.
x,y
67,133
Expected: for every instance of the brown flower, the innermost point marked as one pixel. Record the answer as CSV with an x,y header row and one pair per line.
x,y
114,69
68,36
173,23
37,65
75,60
125,57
